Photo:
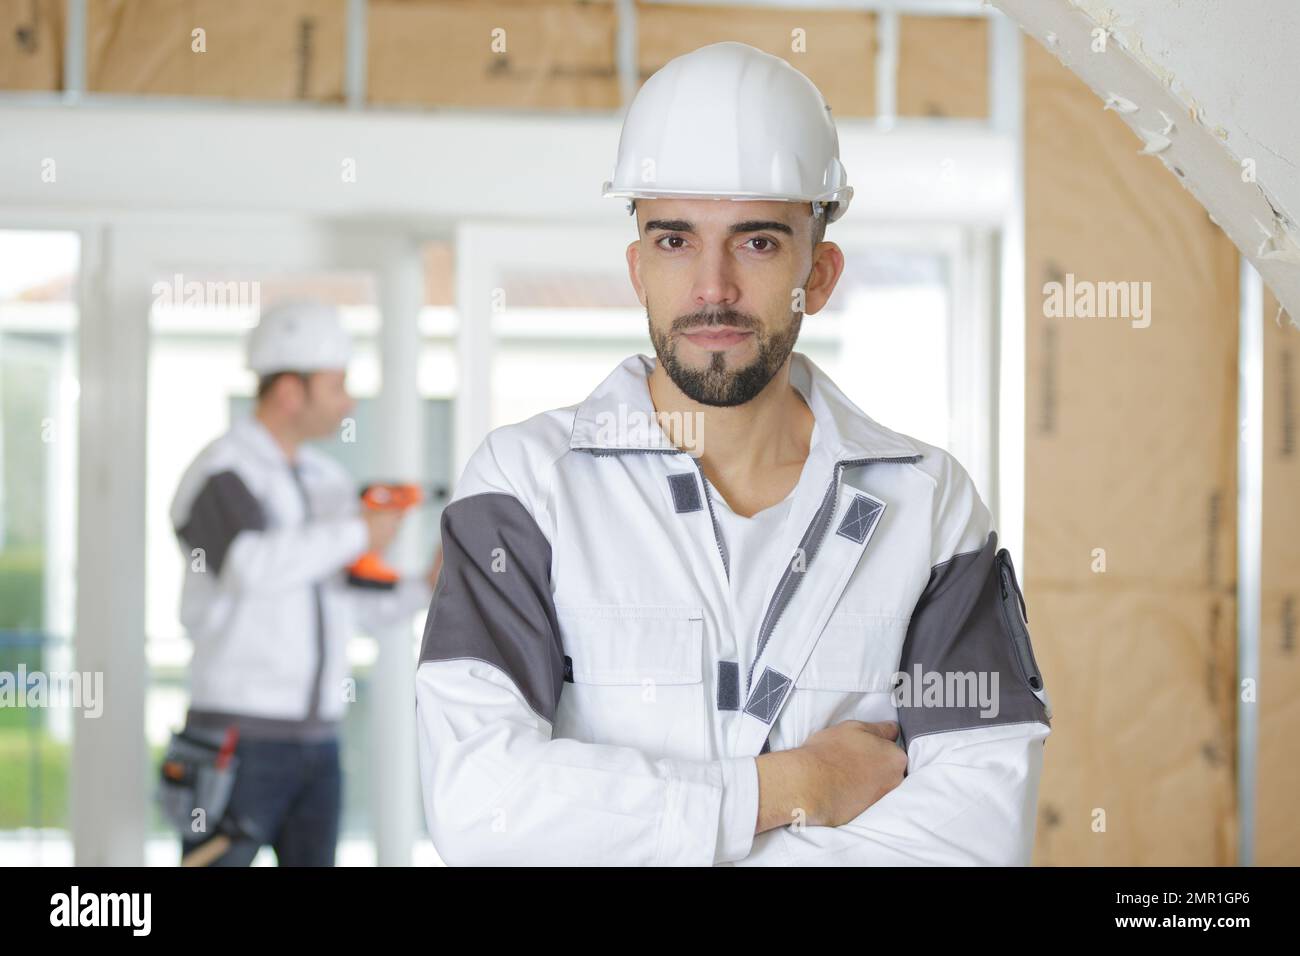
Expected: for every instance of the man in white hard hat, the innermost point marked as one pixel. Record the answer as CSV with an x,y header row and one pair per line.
x,y
267,525
715,613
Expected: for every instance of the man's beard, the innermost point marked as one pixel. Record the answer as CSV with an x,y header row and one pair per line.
x,y
719,384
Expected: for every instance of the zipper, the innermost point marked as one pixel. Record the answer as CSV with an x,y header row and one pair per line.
x,y
313,703
1015,619
717,532
612,452
789,582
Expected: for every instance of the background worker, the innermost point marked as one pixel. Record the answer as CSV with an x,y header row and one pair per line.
x,y
267,526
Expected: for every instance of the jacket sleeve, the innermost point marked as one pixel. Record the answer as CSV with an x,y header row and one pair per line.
x,y
974,756
498,787
227,524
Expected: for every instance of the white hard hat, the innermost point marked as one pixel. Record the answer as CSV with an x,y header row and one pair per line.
x,y
298,337
729,121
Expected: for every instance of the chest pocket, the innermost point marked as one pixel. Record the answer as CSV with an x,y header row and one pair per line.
x,y
849,673
636,678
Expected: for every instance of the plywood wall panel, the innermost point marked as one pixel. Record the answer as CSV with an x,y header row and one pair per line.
x,y
1130,534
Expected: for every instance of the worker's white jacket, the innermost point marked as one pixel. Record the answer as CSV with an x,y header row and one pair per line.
x,y
265,599
580,698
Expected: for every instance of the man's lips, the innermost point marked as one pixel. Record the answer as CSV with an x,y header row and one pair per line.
x,y
717,338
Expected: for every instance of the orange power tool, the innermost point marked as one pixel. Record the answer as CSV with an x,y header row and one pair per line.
x,y
371,570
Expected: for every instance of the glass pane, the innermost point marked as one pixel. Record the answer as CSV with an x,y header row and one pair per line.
x,y
560,334
38,469
888,338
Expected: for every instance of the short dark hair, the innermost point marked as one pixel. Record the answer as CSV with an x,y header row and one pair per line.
x,y
819,224
267,382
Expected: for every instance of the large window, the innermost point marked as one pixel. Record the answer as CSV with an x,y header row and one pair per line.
x,y
38,465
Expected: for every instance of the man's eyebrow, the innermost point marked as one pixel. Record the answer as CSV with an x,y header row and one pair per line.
x,y
749,225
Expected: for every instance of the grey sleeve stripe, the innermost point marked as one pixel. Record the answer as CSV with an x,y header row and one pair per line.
x,y
223,507
493,599
968,629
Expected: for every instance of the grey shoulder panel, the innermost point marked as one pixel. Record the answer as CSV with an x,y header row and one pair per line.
x,y
967,661
223,507
493,599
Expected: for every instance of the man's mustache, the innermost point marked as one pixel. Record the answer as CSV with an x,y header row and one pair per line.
x,y
701,320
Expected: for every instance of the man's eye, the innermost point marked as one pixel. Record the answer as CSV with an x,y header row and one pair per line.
x,y
661,242
767,244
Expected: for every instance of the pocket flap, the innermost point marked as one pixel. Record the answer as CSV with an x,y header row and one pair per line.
x,y
620,644
855,653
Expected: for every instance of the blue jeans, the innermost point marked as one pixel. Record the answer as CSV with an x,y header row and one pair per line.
x,y
288,794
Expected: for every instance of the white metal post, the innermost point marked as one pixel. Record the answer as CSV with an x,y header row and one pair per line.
x,y
1250,522
1007,109
110,799
972,390
476,300
354,61
400,415
74,52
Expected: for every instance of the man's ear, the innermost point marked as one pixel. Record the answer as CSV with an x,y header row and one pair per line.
x,y
633,268
295,390
828,266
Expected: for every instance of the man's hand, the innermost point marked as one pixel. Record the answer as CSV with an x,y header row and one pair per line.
x,y
382,526
833,777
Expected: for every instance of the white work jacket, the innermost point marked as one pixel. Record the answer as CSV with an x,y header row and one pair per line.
x,y
580,694
265,599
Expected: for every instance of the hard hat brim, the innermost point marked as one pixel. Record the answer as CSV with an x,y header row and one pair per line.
x,y
840,197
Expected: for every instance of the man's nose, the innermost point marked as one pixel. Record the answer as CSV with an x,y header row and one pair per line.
x,y
715,281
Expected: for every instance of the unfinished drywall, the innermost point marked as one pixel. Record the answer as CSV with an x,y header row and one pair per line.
x,y
835,48
943,67
31,45
235,49
1210,89
476,55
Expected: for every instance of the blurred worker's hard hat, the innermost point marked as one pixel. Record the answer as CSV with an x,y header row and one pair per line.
x,y
729,121
299,337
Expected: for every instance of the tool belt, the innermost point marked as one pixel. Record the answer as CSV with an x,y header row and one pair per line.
x,y
197,774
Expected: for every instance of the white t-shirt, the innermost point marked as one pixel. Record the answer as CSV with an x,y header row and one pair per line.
x,y
757,556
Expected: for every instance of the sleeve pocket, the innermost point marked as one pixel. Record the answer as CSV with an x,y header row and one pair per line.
x,y
1016,620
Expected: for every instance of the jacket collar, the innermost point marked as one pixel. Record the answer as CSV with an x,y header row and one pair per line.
x,y
257,439
619,415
